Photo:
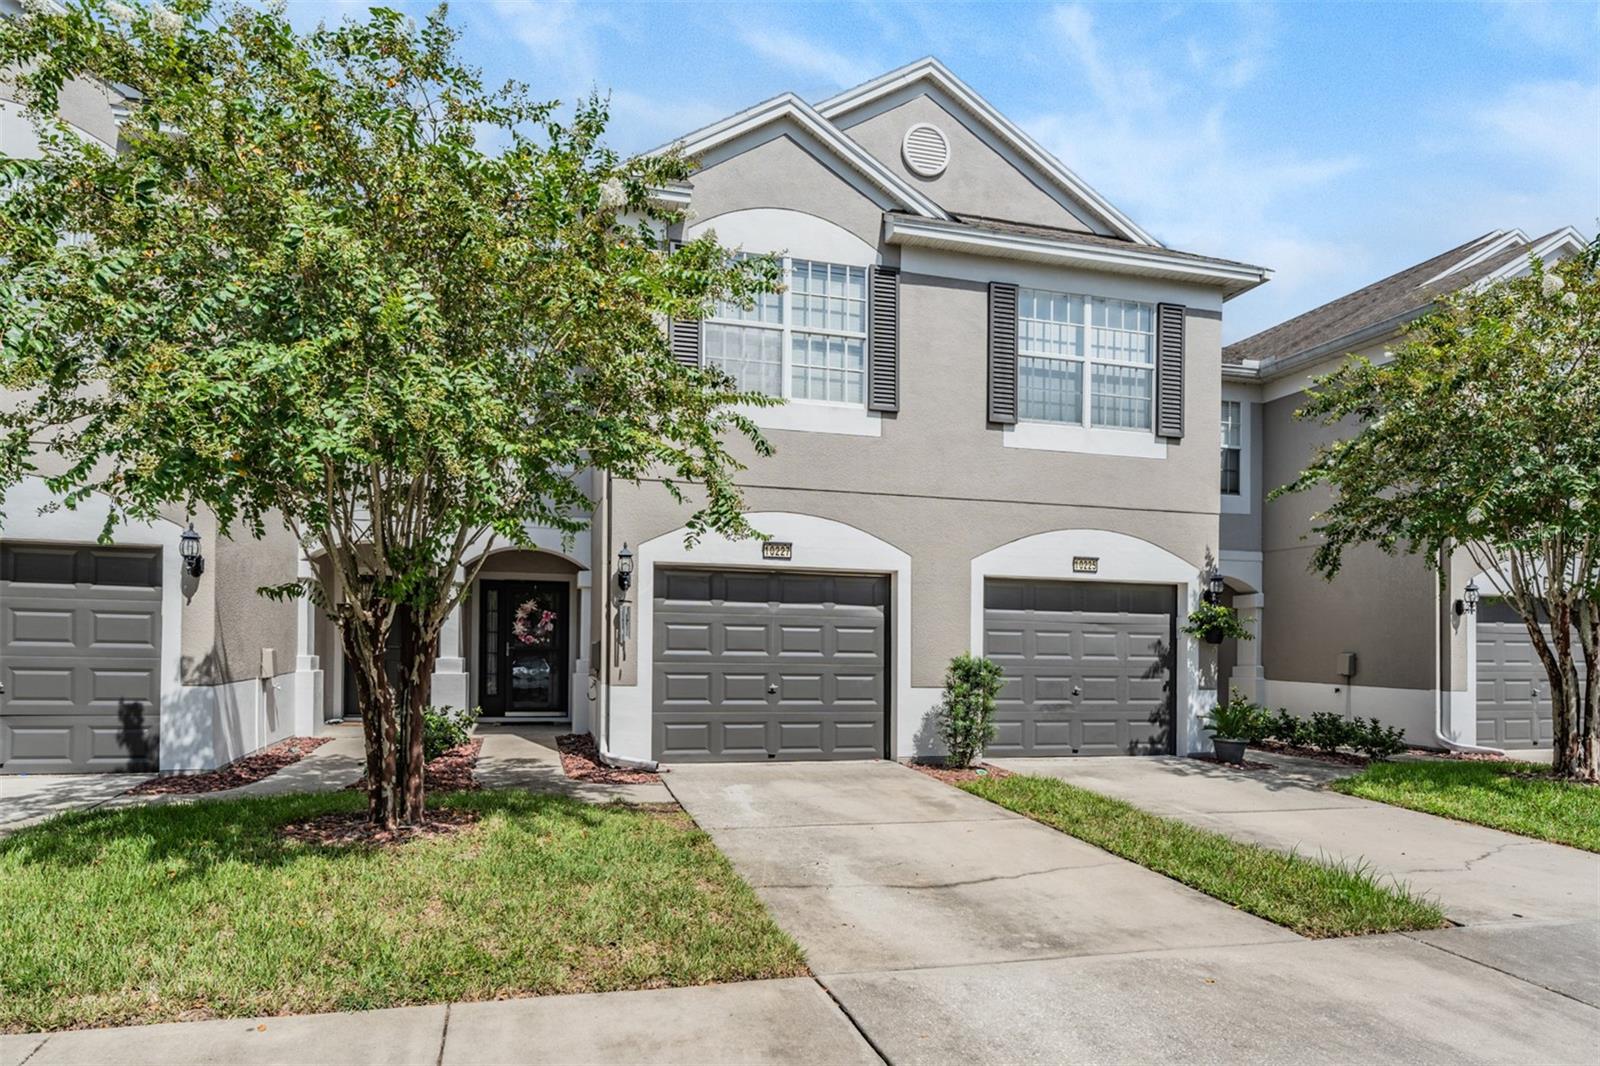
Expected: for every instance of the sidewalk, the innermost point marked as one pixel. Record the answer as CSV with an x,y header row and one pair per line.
x,y
526,757
787,1021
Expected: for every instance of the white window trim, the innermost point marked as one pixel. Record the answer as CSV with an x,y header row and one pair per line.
x,y
1240,504
806,415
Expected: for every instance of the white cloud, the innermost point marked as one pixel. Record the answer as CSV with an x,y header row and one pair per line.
x,y
806,56
1556,122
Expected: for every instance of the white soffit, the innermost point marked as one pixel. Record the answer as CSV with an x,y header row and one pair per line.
x,y
996,125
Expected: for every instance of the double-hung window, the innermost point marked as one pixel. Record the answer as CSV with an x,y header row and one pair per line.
x,y
1232,445
809,343
1085,360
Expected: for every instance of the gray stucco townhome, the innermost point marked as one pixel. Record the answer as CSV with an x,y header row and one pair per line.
x,y
1384,639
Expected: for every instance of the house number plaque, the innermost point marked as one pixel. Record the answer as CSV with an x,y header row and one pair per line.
x,y
1085,564
777,549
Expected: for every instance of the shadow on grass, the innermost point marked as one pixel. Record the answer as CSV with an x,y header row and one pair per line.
x,y
189,839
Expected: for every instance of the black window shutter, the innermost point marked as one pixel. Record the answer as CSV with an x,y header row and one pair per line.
x,y
883,340
1002,352
1169,370
683,334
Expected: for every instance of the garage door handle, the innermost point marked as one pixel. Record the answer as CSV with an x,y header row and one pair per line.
x,y
772,690
1076,691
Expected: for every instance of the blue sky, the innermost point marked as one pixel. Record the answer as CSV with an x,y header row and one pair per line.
x,y
1334,143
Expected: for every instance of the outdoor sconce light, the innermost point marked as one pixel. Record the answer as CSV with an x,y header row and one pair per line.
x,y
189,547
1468,604
624,568
1214,589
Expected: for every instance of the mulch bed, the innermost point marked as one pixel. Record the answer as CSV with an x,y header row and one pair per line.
x,y
580,758
952,776
1343,758
248,770
347,829
450,772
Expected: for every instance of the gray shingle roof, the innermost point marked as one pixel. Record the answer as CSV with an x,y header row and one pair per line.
x,y
1072,236
1397,295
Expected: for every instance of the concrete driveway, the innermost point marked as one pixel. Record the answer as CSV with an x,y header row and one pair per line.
x,y
29,798
949,929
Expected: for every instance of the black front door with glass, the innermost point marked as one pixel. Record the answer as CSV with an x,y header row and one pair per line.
x,y
522,651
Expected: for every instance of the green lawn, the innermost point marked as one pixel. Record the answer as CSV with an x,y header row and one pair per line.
x,y
1314,899
157,913
1517,797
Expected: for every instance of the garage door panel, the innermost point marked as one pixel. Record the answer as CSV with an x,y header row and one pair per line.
x,y
42,686
1095,666
118,686
37,628
687,638
796,662
1513,690
123,630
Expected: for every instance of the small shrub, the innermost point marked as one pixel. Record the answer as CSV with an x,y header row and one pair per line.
x,y
1328,731
444,728
1289,729
1210,617
965,713
1376,740
1239,719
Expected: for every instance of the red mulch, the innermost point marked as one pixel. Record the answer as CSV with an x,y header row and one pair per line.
x,y
450,772
1344,758
952,776
352,829
248,770
580,758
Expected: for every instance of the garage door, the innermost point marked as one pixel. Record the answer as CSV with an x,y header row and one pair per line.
x,y
1088,667
80,658
756,665
1513,690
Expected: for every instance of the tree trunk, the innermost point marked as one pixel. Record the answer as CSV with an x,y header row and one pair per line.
x,y
419,654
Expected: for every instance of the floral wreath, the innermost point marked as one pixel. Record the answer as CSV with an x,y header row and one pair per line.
x,y
534,623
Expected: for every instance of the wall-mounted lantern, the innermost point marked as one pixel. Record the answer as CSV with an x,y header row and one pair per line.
x,y
624,568
1468,603
1214,586
189,548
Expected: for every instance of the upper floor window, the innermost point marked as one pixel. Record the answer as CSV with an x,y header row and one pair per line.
x,y
1085,355
1232,445
809,343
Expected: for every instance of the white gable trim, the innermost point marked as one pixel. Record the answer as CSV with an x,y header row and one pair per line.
x,y
795,110
1488,245
997,126
1568,238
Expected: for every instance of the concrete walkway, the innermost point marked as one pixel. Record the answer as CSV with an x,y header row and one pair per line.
x,y
1478,875
790,1021
526,757
952,930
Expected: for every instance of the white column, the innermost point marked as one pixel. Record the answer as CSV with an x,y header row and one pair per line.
x,y
582,715
1249,676
450,682
307,664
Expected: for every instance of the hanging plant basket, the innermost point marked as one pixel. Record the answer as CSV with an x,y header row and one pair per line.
x,y
1215,623
1215,635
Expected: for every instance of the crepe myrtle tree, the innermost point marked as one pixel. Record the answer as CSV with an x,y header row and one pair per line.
x,y
1482,436
303,292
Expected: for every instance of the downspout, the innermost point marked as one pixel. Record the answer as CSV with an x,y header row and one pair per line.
x,y
1439,691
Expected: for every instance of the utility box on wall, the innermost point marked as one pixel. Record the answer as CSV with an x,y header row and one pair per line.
x,y
1345,666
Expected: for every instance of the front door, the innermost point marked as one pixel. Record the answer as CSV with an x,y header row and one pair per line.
x,y
522,655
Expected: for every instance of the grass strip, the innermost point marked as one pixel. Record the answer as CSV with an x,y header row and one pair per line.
x,y
1517,797
181,912
1315,899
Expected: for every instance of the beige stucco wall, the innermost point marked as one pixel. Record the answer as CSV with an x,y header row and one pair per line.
x,y
226,623
779,171
977,181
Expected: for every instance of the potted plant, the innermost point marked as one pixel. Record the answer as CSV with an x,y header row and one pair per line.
x,y
1216,622
1234,725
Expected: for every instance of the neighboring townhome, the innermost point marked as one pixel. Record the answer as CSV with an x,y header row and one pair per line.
x,y
1383,639
999,435
123,657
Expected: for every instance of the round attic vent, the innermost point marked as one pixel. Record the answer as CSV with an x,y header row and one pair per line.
x,y
926,150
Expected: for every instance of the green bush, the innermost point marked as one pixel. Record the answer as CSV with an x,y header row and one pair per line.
x,y
444,728
965,713
1328,731
1289,729
1209,617
1239,719
1376,740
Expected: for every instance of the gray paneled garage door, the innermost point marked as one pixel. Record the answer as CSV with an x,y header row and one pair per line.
x,y
1088,667
769,665
1513,690
80,657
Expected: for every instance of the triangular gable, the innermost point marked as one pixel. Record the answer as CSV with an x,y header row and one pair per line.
x,y
825,142
929,76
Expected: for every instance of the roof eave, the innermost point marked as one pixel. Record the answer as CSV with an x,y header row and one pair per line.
x,y
1231,278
